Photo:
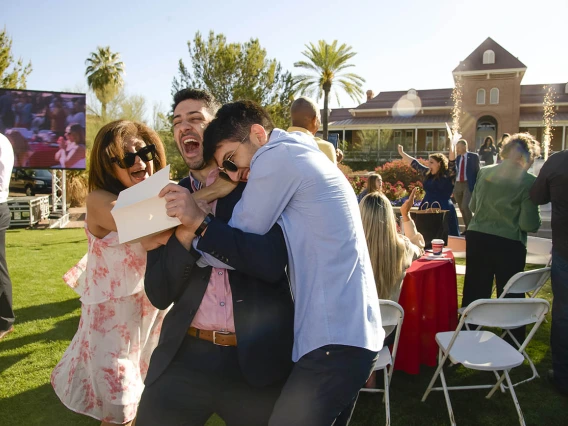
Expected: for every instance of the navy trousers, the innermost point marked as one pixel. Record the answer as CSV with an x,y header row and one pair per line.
x,y
323,387
204,379
559,327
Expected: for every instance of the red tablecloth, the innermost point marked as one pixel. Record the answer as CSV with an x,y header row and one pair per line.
x,y
430,300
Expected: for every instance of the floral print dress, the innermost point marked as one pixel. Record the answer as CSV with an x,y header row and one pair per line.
x,y
102,371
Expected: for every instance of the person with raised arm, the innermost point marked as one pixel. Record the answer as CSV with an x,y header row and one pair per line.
x,y
438,179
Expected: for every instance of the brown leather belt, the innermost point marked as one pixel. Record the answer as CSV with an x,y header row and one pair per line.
x,y
221,338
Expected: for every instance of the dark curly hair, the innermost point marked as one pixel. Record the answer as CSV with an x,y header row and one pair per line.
x,y
198,95
233,122
443,160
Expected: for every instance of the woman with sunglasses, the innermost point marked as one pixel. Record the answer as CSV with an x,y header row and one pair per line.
x,y
102,371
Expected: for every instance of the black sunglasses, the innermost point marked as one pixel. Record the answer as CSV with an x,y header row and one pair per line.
x,y
146,154
228,165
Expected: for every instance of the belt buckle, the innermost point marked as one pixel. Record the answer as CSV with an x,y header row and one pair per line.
x,y
215,337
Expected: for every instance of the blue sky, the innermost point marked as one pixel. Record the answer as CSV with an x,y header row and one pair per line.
x,y
400,44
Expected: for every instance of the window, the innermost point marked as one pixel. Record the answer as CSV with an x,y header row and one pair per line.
x,y
494,96
409,141
429,139
533,131
397,138
441,145
489,57
481,97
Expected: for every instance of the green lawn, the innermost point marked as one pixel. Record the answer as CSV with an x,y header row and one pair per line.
x,y
48,314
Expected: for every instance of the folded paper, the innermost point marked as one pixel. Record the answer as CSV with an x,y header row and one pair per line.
x,y
139,212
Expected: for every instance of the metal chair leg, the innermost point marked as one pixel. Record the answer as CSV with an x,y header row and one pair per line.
x,y
514,396
497,385
447,397
436,373
387,397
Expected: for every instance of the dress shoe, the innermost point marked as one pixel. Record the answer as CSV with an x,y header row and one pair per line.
x,y
555,385
4,333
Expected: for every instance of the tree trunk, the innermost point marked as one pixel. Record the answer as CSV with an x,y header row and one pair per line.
x,y
103,111
325,118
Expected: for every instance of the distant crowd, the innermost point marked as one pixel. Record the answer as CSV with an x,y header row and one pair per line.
x,y
46,130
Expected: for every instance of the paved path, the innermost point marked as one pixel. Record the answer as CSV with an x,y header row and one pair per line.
x,y
76,217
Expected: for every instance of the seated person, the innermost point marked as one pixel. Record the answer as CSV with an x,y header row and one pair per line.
x,y
391,253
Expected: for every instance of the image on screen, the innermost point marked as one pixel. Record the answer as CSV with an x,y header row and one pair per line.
x,y
46,129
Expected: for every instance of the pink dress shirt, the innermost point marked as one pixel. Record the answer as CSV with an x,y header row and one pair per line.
x,y
216,309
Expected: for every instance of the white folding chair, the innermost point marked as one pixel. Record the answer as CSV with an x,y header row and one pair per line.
x,y
392,316
530,283
483,350
541,247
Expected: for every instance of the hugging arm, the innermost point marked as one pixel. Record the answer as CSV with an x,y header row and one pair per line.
x,y
262,256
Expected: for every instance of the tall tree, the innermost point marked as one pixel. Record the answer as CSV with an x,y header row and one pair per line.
x,y
14,78
237,71
327,63
162,124
104,75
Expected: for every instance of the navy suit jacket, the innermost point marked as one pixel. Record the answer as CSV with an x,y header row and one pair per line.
x,y
471,169
262,301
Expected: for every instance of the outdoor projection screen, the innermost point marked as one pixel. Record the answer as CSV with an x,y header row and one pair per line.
x,y
46,129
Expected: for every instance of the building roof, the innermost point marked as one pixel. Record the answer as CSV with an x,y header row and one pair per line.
x,y
429,98
390,120
441,98
503,59
338,114
534,93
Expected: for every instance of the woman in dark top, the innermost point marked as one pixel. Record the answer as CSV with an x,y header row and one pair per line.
x,y
503,139
438,180
488,151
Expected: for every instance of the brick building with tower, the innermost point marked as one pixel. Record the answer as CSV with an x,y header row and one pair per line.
x,y
493,102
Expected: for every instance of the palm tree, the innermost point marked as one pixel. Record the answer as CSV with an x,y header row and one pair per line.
x,y
104,75
327,61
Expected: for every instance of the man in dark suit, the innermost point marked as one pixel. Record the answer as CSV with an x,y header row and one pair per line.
x,y
467,166
225,346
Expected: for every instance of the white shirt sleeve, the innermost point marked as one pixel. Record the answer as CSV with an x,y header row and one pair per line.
x,y
6,166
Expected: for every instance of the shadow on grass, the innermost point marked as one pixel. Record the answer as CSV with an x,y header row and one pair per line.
x,y
39,406
57,243
8,361
45,311
63,330
540,405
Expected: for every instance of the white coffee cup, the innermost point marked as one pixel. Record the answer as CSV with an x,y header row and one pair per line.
x,y
437,247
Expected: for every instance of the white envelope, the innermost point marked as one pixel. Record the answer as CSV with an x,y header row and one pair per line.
x,y
139,211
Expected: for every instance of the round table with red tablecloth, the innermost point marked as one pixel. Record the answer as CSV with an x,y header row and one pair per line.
x,y
430,300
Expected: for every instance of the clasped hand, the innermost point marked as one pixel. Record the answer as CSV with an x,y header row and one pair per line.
x,y
180,204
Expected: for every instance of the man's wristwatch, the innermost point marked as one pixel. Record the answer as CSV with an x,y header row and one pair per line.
x,y
204,225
